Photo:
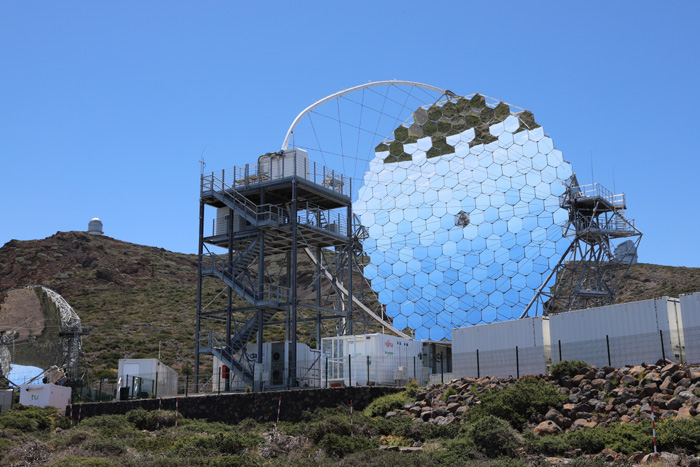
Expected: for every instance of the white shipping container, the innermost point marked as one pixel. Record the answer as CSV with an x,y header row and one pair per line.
x,y
690,312
147,375
630,330
497,344
374,359
45,395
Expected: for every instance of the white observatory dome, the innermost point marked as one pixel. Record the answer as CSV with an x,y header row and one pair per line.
x,y
95,226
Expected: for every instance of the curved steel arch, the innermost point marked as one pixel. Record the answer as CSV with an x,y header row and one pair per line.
x,y
288,136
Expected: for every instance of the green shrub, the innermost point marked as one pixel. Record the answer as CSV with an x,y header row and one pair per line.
x,y
463,446
339,446
111,426
450,391
441,431
551,445
590,441
568,368
203,426
157,444
401,425
676,435
70,438
27,418
5,444
222,443
105,447
507,462
628,438
493,436
381,405
150,419
85,462
316,425
517,403
412,383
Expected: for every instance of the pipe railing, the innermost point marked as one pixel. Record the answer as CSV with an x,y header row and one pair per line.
x,y
278,166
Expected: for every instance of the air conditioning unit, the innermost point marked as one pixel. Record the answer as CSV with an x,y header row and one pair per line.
x,y
401,374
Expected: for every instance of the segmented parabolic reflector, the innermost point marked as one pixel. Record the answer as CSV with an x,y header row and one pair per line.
x,y
463,213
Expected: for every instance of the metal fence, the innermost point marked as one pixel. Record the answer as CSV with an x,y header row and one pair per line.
x,y
604,351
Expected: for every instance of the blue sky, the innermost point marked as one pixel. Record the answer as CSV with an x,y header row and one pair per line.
x,y
106,107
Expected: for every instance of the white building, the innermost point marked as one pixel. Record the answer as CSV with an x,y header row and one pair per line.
x,y
45,395
146,377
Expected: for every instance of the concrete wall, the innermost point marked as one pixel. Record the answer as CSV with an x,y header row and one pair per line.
x,y
262,407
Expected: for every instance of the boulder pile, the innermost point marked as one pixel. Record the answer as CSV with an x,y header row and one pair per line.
x,y
596,396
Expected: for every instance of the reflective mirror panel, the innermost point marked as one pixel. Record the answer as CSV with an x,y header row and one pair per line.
x,y
496,167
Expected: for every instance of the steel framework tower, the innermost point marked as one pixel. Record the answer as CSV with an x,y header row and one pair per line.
x,y
267,214
589,274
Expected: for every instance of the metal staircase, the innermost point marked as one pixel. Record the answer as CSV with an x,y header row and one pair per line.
x,y
211,343
259,265
257,216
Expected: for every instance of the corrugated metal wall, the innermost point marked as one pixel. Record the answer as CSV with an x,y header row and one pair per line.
x,y
500,349
618,335
690,312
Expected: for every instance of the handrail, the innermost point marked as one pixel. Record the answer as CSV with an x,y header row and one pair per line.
x,y
270,292
279,166
596,190
228,191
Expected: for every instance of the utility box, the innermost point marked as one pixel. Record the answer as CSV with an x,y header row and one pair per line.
x,y
44,395
290,163
6,398
146,377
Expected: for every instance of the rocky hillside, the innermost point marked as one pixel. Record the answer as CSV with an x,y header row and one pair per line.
x,y
594,397
138,299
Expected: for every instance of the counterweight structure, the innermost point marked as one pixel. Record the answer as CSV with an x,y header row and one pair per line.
x,y
589,273
267,215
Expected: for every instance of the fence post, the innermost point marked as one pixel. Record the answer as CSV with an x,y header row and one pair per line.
x,y
155,385
607,342
99,396
517,362
326,372
478,369
560,350
350,370
442,368
663,351
367,372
